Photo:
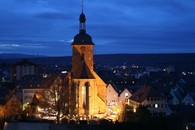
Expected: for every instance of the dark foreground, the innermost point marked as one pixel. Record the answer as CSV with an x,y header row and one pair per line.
x,y
146,125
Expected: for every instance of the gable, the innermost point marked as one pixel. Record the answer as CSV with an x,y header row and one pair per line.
x,y
110,89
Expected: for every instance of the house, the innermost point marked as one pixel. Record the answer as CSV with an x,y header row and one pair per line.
x,y
32,85
124,96
112,95
177,94
189,99
150,97
28,94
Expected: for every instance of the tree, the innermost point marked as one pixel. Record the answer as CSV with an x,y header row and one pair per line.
x,y
142,114
53,101
13,107
12,104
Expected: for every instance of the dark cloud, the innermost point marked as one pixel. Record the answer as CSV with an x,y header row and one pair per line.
x,y
53,16
125,26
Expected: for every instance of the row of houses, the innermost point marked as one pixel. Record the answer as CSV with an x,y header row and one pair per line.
x,y
147,96
154,99
157,101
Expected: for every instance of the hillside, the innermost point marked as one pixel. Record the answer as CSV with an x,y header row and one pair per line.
x,y
13,56
184,60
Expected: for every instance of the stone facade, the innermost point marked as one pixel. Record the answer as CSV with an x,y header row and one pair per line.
x,y
87,89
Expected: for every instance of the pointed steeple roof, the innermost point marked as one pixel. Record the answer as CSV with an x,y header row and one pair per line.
x,y
82,16
82,37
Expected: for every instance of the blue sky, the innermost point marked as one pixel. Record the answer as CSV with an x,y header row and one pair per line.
x,y
47,27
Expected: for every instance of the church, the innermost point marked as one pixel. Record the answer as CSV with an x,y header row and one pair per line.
x,y
87,91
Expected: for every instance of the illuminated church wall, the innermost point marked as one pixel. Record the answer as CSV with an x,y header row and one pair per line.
x,y
87,89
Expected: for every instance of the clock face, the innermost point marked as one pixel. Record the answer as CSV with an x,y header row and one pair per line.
x,y
83,48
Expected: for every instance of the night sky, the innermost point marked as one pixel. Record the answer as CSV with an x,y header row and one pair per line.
x,y
47,27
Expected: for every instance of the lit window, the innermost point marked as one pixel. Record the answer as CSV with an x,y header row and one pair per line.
x,y
156,105
84,95
126,94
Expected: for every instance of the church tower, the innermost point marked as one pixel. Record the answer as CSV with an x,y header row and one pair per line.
x,y
87,89
82,52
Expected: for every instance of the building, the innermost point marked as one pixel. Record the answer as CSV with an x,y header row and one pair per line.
x,y
150,97
49,100
23,68
124,96
112,96
189,99
28,94
87,89
28,86
177,94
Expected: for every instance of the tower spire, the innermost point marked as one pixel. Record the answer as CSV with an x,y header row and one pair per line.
x,y
82,6
82,19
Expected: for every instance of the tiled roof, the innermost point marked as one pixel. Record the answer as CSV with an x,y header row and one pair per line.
x,y
24,62
85,72
144,92
192,95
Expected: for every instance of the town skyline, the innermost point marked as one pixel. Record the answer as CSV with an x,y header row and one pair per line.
x,y
132,27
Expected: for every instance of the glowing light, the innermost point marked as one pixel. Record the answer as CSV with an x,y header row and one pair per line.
x,y
126,94
5,125
38,108
187,127
134,110
184,73
64,72
45,75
